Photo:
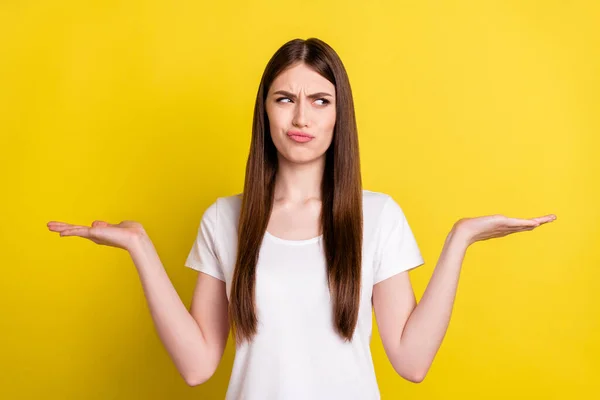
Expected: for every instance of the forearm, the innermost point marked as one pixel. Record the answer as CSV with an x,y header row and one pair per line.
x,y
177,329
427,325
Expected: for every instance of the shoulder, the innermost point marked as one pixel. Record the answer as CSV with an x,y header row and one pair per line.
x,y
222,210
230,206
224,213
382,211
224,206
376,205
373,199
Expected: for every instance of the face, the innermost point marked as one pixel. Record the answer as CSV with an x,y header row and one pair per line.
x,y
303,102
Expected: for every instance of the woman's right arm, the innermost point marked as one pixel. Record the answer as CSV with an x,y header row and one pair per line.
x,y
195,339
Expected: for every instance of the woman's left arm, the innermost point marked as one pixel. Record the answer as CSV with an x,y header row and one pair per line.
x,y
412,334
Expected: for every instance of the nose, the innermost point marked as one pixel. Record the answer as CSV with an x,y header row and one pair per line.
x,y
300,115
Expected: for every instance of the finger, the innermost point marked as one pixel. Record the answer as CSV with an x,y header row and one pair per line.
x,y
520,222
60,224
531,221
545,218
525,228
81,231
55,224
100,224
62,228
59,228
518,229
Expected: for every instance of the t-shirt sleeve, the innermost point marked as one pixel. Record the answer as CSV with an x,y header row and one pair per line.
x,y
203,256
397,250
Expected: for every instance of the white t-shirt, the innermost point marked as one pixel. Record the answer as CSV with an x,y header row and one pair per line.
x,y
296,353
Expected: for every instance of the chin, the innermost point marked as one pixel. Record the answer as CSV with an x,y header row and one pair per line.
x,y
305,158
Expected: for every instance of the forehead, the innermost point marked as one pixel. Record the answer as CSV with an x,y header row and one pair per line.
x,y
300,77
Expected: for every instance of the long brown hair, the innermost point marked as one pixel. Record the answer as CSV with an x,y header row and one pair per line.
x,y
341,202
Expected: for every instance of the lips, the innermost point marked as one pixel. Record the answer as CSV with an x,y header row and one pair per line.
x,y
299,134
300,139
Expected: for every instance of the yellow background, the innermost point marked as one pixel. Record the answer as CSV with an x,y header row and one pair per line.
x,y
142,110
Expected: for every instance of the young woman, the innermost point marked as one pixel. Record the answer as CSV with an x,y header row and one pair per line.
x,y
295,264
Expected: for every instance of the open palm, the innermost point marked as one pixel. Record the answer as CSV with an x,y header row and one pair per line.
x,y
121,235
498,225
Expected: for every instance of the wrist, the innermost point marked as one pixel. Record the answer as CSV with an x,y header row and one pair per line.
x,y
144,255
459,236
139,243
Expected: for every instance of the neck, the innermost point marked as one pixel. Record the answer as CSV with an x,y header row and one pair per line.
x,y
299,183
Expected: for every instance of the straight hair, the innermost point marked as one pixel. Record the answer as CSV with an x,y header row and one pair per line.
x,y
341,217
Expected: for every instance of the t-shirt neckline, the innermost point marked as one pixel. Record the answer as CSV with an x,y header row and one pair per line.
x,y
293,242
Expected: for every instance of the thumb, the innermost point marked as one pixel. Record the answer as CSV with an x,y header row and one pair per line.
x,y
100,224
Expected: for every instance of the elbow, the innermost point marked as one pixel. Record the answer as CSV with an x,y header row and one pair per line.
x,y
413,368
196,379
193,381
415,376
199,373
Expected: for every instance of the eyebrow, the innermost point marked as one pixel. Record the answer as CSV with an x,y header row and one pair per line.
x,y
310,96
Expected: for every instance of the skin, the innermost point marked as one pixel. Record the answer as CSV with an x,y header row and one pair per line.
x,y
411,333
297,204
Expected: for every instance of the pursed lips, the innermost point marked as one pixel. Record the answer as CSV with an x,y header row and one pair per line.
x,y
299,133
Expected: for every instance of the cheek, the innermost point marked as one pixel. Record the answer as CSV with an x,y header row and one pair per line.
x,y
277,118
329,123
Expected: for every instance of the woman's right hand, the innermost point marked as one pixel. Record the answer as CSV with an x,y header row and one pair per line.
x,y
122,235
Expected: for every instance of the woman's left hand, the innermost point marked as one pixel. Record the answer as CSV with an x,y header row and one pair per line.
x,y
492,226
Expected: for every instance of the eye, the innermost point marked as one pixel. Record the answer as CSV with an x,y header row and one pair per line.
x,y
325,101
